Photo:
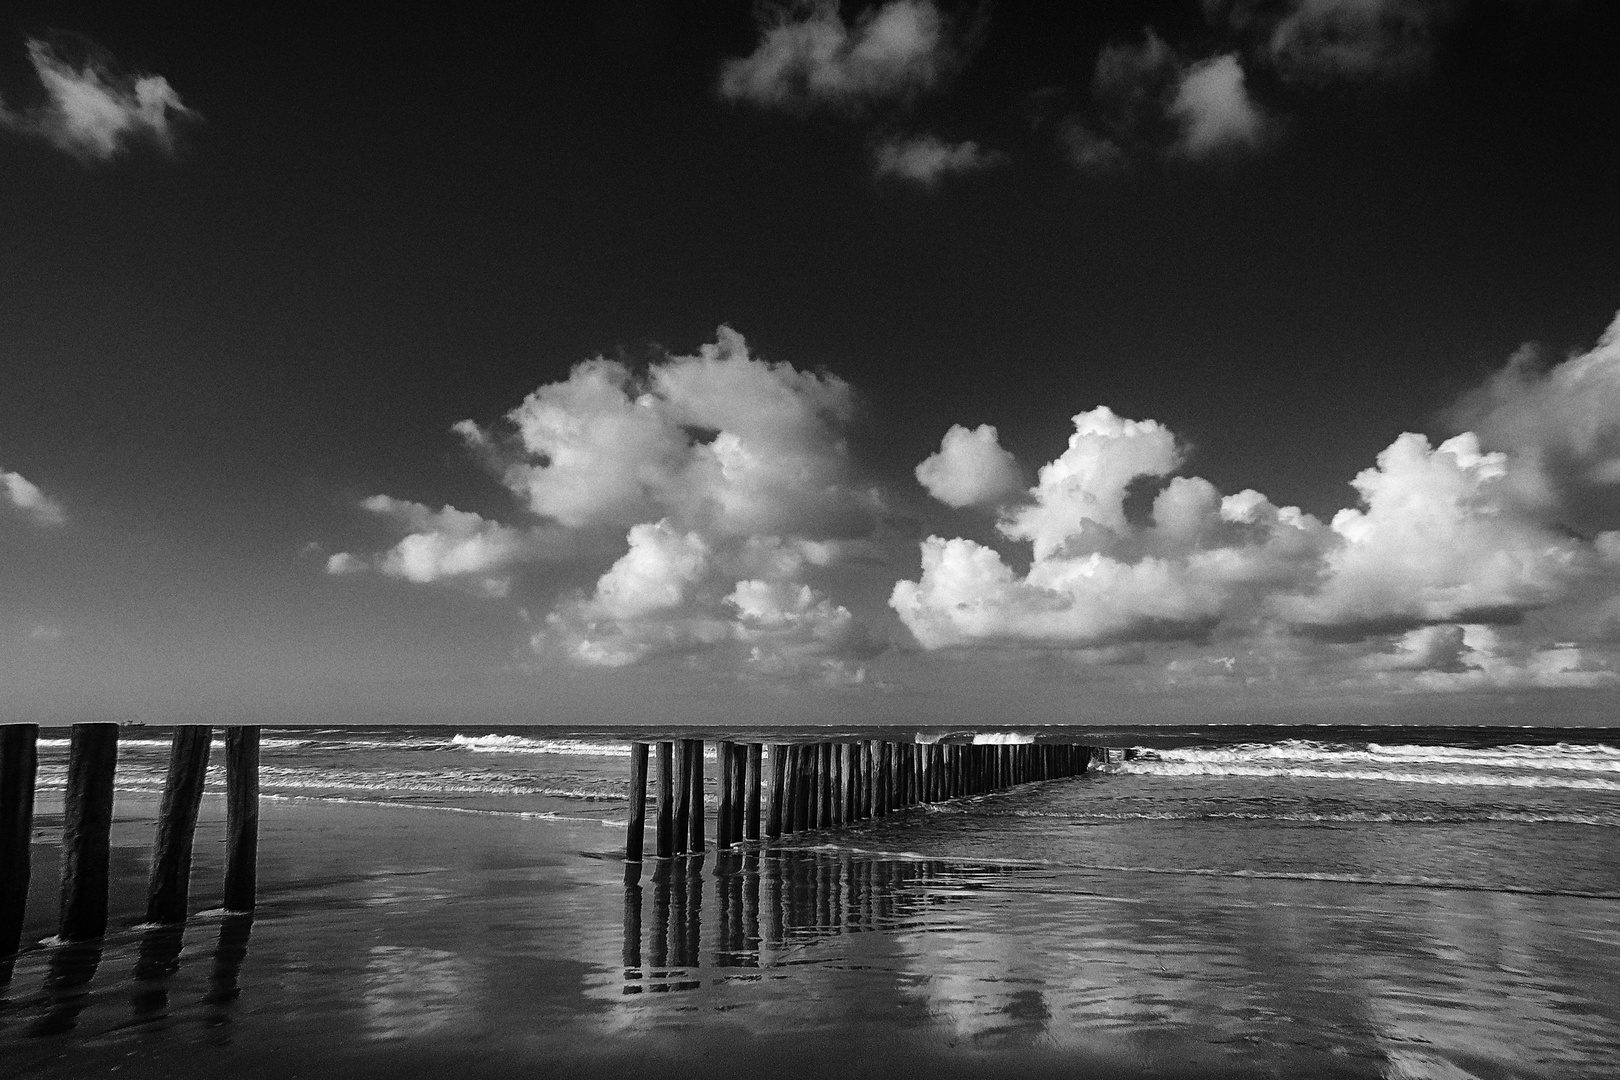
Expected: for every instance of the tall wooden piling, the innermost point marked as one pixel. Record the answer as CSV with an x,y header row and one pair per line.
x,y
86,828
790,788
241,818
723,818
666,801
636,832
739,790
773,820
695,755
19,765
683,794
170,881
752,785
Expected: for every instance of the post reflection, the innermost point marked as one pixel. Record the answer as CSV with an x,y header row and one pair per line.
x,y
155,964
224,985
768,903
67,986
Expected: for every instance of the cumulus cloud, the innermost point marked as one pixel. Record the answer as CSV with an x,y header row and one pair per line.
x,y
925,159
728,479
1441,537
1215,109
809,57
971,469
1562,427
21,497
92,110
451,545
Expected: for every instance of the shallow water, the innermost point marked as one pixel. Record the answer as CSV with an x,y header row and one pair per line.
x,y
1304,907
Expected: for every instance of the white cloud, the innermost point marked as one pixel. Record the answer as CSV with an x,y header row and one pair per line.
x,y
1215,110
451,545
729,479
20,496
91,110
718,441
808,56
1485,661
925,159
44,632
1562,427
1438,538
971,469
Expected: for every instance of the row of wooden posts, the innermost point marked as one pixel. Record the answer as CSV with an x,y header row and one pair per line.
x,y
87,826
821,785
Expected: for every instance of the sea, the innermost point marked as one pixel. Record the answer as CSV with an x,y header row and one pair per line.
x,y
1405,902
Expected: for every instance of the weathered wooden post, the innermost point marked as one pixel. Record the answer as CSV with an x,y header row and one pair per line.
x,y
869,777
666,801
722,823
739,790
752,784
824,785
683,794
241,818
636,831
806,811
696,754
790,788
19,765
170,880
86,829
773,820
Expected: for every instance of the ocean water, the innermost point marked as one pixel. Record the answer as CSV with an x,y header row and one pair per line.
x,y
1390,902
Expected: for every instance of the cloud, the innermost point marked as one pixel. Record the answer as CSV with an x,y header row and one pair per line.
x,y
1350,39
91,110
1477,657
44,632
451,545
1215,109
809,57
20,496
971,469
1562,427
925,159
1147,99
730,483
1441,535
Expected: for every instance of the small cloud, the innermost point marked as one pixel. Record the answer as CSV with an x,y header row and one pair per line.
x,y
971,469
22,497
809,57
1089,152
924,159
344,563
45,633
91,109
1357,39
1215,109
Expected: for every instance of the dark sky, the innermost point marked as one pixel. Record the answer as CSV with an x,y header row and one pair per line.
x,y
223,333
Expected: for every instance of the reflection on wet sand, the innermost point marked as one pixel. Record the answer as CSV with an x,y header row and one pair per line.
x,y
770,904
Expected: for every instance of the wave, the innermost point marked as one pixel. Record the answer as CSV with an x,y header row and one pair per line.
x,y
1147,767
1457,817
520,744
1559,757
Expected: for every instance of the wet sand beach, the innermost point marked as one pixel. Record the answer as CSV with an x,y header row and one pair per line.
x,y
404,940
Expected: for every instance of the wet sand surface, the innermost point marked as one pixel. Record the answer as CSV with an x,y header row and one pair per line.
x,y
398,941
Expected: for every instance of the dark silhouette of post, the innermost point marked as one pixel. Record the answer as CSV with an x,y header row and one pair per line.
x,y
177,823
697,794
86,831
19,766
241,818
666,803
722,824
773,820
752,784
683,794
636,832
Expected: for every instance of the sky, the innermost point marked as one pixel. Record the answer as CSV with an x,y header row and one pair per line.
x,y
916,361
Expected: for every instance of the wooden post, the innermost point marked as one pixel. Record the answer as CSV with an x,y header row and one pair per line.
x,y
241,818
880,796
86,825
773,822
635,833
806,810
722,824
683,794
170,881
739,790
19,765
824,785
869,777
666,801
790,788
695,755
751,785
